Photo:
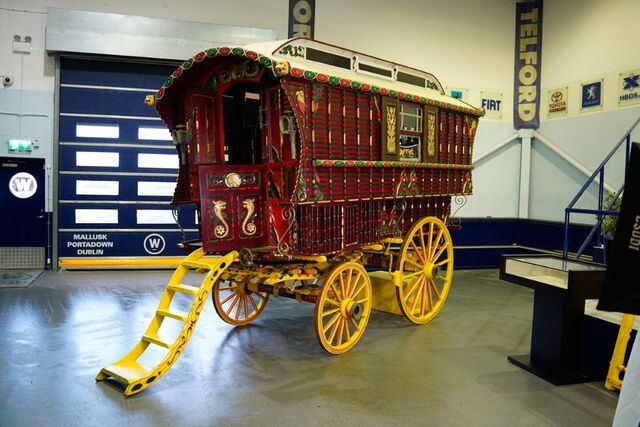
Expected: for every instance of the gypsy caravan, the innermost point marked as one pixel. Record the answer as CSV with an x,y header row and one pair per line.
x,y
310,165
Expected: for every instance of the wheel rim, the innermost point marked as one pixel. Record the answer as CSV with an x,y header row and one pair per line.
x,y
343,307
426,264
235,304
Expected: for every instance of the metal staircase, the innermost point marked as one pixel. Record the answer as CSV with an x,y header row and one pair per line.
x,y
602,211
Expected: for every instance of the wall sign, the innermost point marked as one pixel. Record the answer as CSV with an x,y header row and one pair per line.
x,y
528,61
302,16
591,95
154,244
629,88
492,103
557,102
23,185
457,92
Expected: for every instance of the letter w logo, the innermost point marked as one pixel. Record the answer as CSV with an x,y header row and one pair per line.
x,y
23,184
154,243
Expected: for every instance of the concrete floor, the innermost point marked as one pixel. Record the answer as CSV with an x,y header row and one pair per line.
x,y
58,333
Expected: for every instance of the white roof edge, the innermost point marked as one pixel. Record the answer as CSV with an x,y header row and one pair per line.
x,y
270,48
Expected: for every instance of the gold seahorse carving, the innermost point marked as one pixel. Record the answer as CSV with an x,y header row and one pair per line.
x,y
221,230
248,226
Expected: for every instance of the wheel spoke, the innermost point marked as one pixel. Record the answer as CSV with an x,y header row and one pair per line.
x,y
246,306
418,251
428,290
357,291
440,251
424,297
228,298
360,301
434,245
355,283
253,303
335,291
334,330
346,329
416,283
423,251
435,290
239,307
415,299
341,296
347,288
428,248
233,303
331,321
355,325
328,312
442,262
341,331
410,261
416,273
330,301
232,288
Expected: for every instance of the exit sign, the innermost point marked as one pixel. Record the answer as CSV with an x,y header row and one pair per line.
x,y
20,145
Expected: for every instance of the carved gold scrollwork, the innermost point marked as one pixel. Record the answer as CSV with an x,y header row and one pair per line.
x,y
431,134
391,129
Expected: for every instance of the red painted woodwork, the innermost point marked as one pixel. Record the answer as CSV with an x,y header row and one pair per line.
x,y
296,206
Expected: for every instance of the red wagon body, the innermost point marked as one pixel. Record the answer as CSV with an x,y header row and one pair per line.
x,y
310,149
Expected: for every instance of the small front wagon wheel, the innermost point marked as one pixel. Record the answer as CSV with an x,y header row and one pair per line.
x,y
235,304
426,264
343,307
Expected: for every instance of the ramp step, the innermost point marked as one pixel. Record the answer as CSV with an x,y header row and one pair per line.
x,y
127,371
174,314
185,289
154,339
197,264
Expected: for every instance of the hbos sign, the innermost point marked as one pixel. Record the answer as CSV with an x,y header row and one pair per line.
x,y
301,18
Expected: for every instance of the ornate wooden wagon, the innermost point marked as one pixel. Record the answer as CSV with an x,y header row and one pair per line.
x,y
310,165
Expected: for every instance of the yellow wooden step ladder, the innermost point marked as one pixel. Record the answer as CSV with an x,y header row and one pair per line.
x,y
129,370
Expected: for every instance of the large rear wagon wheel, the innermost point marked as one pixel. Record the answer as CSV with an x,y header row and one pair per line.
x,y
426,264
235,304
343,307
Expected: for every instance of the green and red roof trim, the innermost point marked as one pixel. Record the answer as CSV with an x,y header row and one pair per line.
x,y
306,74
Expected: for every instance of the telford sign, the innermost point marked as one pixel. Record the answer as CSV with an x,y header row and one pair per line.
x,y
528,61
301,18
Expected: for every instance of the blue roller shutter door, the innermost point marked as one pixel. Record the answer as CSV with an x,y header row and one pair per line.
x,y
117,164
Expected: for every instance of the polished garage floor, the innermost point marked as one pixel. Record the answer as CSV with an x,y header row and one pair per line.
x,y
56,334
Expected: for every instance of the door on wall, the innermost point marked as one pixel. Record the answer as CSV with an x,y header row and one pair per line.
x,y
22,213
118,165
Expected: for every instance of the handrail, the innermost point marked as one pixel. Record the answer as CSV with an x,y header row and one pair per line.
x,y
600,212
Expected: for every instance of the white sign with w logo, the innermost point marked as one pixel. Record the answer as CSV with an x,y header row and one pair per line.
x,y
23,185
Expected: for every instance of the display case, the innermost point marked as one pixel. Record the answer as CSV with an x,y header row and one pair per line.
x,y
560,287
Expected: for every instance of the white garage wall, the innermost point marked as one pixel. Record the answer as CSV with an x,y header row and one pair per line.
x,y
465,44
583,40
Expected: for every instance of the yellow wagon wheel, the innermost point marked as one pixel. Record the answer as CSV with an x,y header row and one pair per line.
x,y
235,304
426,265
343,307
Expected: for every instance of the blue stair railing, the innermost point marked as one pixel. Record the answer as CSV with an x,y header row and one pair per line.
x,y
600,213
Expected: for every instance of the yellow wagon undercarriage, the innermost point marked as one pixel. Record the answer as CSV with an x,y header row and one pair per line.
x,y
416,273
